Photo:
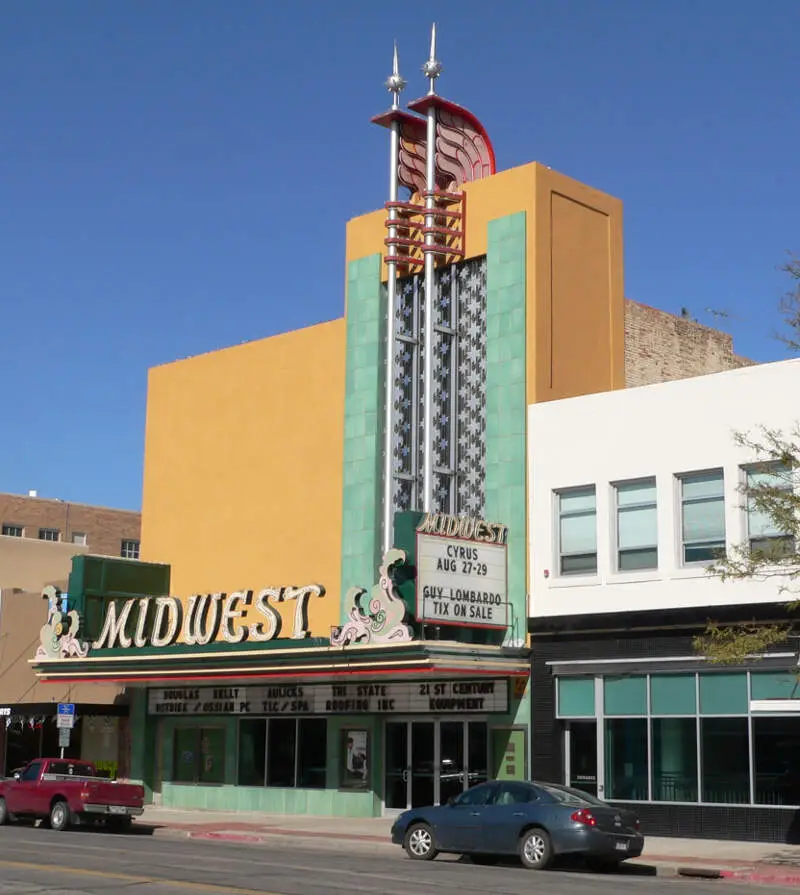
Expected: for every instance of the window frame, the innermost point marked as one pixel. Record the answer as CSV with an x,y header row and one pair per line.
x,y
44,532
266,720
680,479
638,506
10,529
748,508
558,493
84,540
126,552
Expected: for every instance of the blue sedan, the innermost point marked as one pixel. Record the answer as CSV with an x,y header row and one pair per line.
x,y
536,821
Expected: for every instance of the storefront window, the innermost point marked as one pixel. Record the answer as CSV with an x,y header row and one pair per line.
x,y
777,747
625,695
252,767
626,759
312,752
674,746
282,748
725,747
285,752
199,755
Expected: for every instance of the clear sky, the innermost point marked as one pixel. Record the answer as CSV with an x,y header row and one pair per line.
x,y
176,174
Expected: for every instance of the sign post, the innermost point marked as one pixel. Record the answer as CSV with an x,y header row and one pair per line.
x,y
65,721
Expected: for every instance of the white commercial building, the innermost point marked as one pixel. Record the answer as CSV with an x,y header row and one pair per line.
x,y
631,495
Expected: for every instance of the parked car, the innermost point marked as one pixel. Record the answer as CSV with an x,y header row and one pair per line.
x,y
536,821
65,792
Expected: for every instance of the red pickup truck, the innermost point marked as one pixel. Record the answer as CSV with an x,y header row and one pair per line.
x,y
66,792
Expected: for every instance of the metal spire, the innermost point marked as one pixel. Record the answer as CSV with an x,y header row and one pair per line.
x,y
395,82
432,68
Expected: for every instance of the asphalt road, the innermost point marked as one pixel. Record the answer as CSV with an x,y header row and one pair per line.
x,y
99,863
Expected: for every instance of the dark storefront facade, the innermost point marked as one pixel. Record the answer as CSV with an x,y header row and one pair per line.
x,y
100,735
623,707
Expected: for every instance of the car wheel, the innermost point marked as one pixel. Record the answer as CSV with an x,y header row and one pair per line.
x,y
535,849
59,816
484,860
4,818
419,843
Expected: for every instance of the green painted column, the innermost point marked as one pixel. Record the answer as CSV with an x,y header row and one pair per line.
x,y
506,407
141,735
363,423
506,443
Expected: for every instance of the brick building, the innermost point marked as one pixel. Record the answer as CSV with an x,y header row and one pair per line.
x,y
39,539
660,347
100,529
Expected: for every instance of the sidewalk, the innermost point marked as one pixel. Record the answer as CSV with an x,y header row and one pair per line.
x,y
744,861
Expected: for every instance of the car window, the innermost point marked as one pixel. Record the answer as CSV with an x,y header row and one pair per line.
x,y
31,772
70,769
478,795
515,794
569,796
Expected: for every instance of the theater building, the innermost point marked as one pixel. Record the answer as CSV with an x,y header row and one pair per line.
x,y
330,612
630,501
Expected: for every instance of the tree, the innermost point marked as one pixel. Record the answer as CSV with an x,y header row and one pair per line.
x,y
772,497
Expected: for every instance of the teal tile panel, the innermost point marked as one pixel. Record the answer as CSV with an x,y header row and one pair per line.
x,y
506,400
362,473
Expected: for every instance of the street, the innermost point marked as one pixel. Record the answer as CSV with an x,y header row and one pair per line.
x,y
39,860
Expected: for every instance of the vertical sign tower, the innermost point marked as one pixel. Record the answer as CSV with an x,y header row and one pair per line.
x,y
435,329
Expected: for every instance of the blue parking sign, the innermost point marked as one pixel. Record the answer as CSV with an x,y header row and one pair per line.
x,y
66,708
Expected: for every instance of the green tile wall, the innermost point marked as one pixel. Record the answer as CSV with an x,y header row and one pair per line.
x,y
506,406
142,732
363,421
275,800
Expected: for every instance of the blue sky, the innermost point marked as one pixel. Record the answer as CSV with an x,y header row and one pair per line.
x,y
175,177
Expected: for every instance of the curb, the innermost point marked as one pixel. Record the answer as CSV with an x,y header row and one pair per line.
x,y
700,872
662,865
765,878
296,834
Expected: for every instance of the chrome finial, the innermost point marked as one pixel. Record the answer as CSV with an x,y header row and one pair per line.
x,y
432,68
395,82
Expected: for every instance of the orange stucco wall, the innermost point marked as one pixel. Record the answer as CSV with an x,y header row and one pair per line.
x,y
243,468
244,446
575,299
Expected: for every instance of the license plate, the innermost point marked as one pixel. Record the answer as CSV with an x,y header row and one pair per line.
x,y
621,846
117,809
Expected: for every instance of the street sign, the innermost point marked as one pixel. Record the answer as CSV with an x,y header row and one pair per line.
x,y
63,738
65,720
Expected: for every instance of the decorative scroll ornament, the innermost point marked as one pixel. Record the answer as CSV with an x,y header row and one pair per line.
x,y
59,637
464,151
383,618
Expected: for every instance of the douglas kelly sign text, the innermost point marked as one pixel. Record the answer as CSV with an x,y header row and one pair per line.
x,y
403,697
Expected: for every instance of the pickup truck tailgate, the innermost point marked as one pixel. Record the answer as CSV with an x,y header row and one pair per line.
x,y
104,792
